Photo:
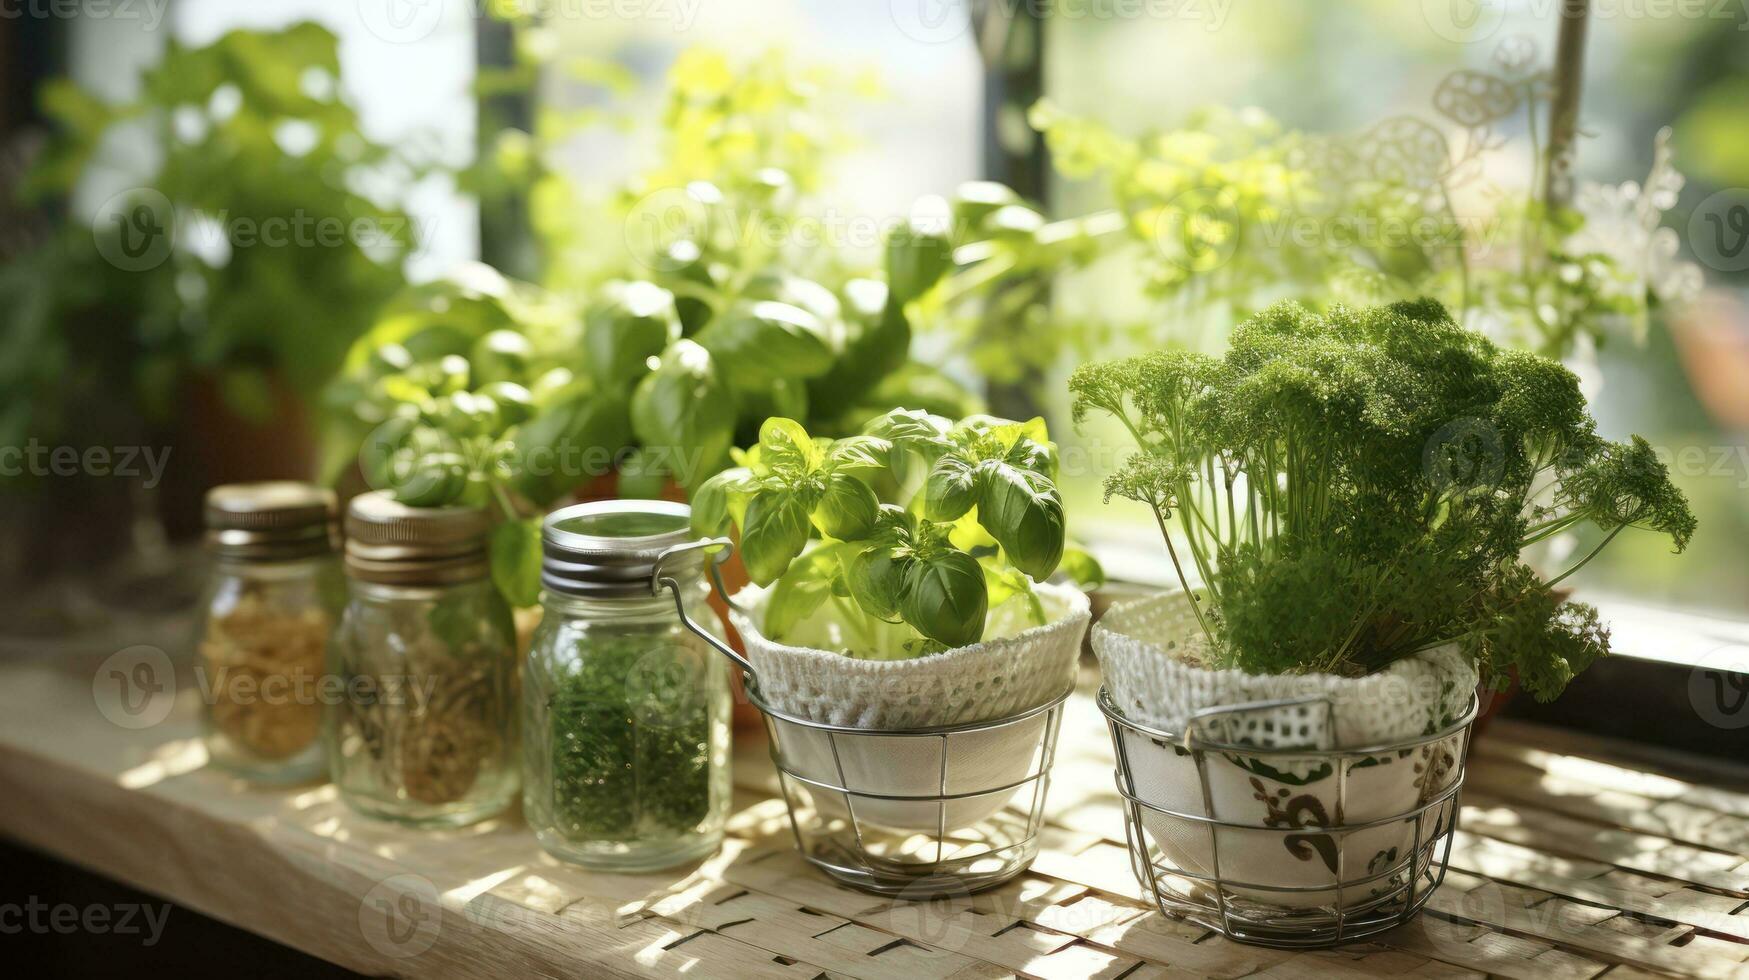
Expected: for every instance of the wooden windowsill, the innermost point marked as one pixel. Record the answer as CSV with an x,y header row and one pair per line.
x,y
1591,862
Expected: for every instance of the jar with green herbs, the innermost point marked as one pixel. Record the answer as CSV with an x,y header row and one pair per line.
x,y
422,725
625,714
262,631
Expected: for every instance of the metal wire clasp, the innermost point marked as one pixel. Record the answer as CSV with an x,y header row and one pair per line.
x,y
660,580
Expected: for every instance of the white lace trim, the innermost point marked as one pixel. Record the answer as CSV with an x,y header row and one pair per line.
x,y
1000,677
1147,650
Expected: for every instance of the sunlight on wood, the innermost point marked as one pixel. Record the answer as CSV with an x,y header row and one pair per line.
x,y
171,759
463,894
325,793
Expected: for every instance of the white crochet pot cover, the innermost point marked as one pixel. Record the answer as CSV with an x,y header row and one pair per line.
x,y
1015,670
1143,648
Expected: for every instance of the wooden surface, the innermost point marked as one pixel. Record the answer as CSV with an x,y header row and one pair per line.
x,y
1577,858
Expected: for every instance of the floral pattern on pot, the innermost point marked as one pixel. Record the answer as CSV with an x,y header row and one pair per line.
x,y
1292,807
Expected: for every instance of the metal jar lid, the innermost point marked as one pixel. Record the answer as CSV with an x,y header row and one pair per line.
x,y
281,520
395,544
607,549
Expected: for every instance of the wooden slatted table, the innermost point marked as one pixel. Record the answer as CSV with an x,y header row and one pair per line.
x,y
1578,857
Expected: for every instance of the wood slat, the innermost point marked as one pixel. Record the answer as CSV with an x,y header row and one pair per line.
x,y
1672,819
1591,882
1554,832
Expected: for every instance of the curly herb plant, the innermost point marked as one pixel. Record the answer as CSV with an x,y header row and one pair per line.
x,y
1353,488
980,522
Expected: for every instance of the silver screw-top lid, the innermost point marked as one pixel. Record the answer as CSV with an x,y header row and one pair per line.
x,y
281,520
608,548
395,544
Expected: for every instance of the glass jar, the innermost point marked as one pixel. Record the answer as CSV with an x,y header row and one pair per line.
x,y
422,725
625,722
262,631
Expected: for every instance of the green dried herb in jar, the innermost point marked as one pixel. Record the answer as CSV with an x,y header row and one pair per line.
x,y
625,713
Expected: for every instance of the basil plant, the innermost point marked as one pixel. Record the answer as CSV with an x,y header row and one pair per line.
x,y
914,530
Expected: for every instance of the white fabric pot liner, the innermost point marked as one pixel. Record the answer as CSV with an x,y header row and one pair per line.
x,y
1142,648
998,678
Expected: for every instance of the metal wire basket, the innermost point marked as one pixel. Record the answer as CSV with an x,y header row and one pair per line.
x,y
914,813
1246,841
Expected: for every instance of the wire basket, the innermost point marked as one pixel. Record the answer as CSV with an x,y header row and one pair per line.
x,y
1291,848
914,813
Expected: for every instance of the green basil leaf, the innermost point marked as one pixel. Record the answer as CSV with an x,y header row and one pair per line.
x,y
847,509
637,322
895,525
720,499
383,447
563,446
516,557
435,480
951,488
1004,584
684,410
946,599
688,273
919,254
975,200
877,340
799,292
515,403
1031,454
1023,511
968,535
1082,568
786,447
774,533
759,343
877,581
501,355
802,590
860,456
912,429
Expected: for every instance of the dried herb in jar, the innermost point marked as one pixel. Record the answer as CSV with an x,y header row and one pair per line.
x,y
433,715
262,664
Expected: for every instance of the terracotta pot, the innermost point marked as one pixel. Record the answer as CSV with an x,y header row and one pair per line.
x,y
212,444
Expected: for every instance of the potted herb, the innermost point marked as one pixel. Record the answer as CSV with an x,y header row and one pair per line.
x,y
1344,498
899,585
233,274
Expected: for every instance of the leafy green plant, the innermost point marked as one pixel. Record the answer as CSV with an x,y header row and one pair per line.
x,y
1356,487
1233,210
923,526
785,313
248,137
652,362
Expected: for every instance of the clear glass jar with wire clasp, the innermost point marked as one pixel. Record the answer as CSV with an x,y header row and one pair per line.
x,y
262,630
625,712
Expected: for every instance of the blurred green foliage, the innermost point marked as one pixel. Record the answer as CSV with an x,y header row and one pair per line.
x,y
720,301
272,260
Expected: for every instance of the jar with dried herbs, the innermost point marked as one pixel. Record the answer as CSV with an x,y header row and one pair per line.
x,y
625,713
422,727
273,596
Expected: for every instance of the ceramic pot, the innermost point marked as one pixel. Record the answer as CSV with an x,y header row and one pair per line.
x,y
1293,792
863,734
